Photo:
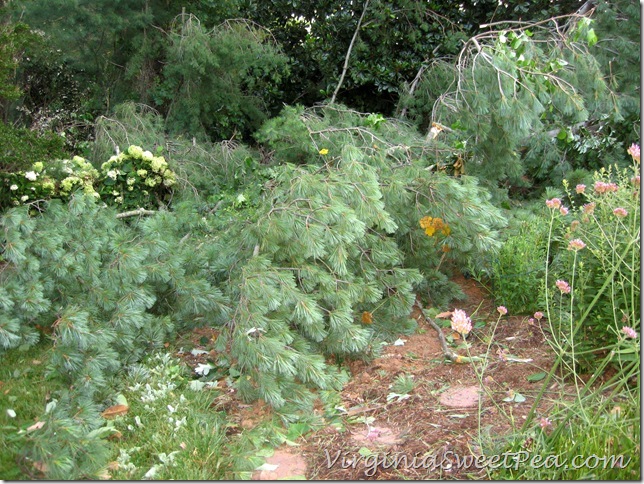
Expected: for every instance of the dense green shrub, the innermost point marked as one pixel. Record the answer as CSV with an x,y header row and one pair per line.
x,y
516,273
21,148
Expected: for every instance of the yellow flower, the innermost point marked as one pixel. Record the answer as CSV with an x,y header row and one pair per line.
x,y
431,225
425,222
324,151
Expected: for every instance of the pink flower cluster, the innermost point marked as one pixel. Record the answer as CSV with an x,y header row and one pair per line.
x,y
629,332
502,310
620,212
589,208
563,286
461,323
602,187
581,188
634,151
576,244
553,203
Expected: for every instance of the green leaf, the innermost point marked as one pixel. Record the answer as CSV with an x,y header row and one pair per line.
x,y
364,452
536,376
591,37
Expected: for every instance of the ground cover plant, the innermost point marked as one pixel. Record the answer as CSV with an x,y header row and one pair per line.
x,y
174,304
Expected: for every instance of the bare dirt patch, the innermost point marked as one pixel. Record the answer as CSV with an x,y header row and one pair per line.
x,y
426,433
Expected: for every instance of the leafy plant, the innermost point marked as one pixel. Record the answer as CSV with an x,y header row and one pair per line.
x,y
516,272
600,262
135,179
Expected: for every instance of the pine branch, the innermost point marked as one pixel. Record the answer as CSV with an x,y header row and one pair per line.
x,y
132,213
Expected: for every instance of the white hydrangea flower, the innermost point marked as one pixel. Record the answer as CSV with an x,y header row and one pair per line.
x,y
13,188
31,175
158,164
112,174
136,151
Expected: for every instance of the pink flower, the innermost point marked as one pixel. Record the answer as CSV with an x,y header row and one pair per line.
x,y
580,188
634,151
545,422
589,208
553,203
563,286
620,212
563,210
602,187
460,322
531,321
502,310
629,332
576,244
538,315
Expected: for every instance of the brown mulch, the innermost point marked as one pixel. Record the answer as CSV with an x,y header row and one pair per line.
x,y
434,437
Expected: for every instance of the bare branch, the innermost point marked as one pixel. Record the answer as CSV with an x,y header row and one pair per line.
x,y
346,59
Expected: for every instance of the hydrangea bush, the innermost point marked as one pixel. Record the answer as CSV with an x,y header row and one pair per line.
x,y
132,179
136,178
55,179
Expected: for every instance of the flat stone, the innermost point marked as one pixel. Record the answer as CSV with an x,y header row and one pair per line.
x,y
461,397
378,436
289,466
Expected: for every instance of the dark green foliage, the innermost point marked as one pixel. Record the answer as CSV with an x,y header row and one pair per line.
x,y
215,81
516,274
21,148
396,39
14,38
